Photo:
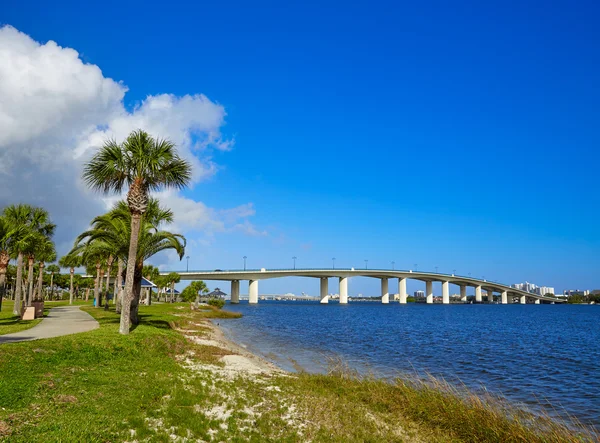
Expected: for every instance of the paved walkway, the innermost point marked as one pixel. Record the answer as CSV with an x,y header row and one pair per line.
x,y
62,320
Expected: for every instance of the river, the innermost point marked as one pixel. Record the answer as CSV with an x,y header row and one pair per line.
x,y
542,356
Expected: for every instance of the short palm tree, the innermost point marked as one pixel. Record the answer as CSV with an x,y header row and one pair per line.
x,y
71,261
143,164
150,273
111,232
172,278
52,269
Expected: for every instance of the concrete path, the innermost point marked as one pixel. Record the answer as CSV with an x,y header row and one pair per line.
x,y
62,320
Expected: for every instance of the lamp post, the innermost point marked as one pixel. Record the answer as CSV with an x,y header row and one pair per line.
x,y
366,264
393,263
453,271
187,265
294,258
245,262
333,260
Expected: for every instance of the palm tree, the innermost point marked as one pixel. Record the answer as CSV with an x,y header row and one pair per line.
x,y
30,226
6,235
111,232
44,252
52,269
142,164
17,217
150,273
71,261
173,278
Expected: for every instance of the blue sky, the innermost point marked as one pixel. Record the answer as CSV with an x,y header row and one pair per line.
x,y
462,136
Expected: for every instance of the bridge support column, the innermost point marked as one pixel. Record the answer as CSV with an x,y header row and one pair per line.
x,y
523,299
504,297
343,290
235,291
463,294
490,295
402,289
537,301
477,294
385,291
253,291
429,291
324,290
445,293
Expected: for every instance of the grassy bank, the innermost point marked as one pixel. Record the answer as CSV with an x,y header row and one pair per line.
x,y
172,379
10,323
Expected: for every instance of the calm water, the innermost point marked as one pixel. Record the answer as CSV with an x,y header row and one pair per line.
x,y
546,355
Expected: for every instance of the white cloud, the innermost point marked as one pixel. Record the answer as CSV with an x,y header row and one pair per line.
x,y
55,110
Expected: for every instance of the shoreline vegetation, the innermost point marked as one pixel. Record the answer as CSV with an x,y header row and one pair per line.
x,y
176,377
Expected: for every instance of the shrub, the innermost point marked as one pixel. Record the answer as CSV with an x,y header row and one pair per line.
x,y
216,302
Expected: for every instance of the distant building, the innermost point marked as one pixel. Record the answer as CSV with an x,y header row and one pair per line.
x,y
570,292
543,290
527,287
419,294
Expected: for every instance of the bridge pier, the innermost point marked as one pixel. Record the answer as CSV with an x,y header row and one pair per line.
x,y
504,297
463,293
402,290
235,291
385,292
429,291
343,290
324,290
490,295
253,291
523,299
445,293
478,294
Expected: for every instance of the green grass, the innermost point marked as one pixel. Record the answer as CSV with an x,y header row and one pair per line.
x,y
157,385
10,323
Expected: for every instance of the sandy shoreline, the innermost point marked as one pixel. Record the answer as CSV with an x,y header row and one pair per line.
x,y
238,359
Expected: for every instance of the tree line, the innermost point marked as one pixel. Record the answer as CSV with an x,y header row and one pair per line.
x,y
119,242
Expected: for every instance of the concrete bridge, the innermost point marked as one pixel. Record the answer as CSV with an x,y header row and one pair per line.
x,y
507,294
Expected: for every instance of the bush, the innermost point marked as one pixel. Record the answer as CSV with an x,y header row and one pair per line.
x,y
216,302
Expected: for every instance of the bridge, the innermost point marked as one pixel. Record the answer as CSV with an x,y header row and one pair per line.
x,y
507,293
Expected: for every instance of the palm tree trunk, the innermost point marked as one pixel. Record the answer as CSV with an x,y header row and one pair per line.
x,y
101,289
40,283
108,269
30,281
97,285
119,291
4,259
137,291
172,290
19,286
87,294
51,285
131,262
71,287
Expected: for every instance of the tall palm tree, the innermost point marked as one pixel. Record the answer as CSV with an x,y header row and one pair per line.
x,y
44,252
31,226
52,269
17,216
7,233
111,232
71,261
142,164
